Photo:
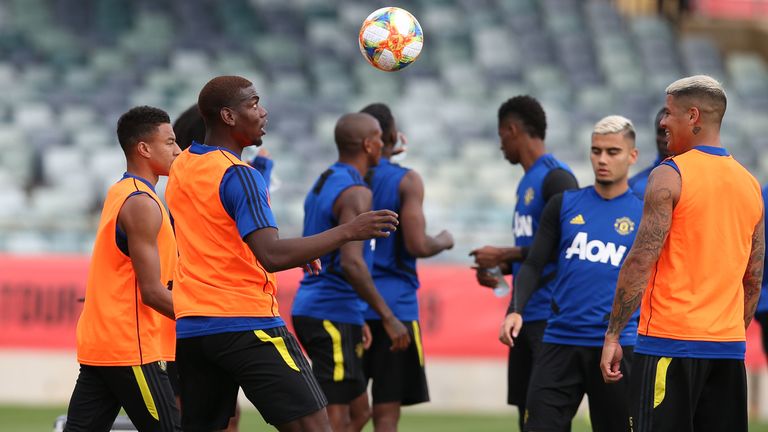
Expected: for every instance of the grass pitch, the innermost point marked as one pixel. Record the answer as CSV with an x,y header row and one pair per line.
x,y
41,419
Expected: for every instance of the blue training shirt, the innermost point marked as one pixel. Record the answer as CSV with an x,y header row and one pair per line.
x,y
762,304
639,181
329,295
394,269
530,204
595,237
243,193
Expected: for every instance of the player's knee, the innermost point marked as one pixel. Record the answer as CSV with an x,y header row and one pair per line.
x,y
360,416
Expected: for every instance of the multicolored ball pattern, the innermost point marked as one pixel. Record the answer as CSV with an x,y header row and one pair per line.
x,y
390,39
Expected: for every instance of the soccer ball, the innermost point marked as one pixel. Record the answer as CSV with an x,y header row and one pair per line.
x,y
390,39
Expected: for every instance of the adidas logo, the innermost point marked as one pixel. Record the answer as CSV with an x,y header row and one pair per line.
x,y
578,220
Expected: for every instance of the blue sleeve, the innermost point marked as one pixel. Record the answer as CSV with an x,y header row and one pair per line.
x,y
264,166
671,163
246,199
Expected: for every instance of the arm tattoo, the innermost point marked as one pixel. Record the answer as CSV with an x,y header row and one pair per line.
x,y
634,274
753,277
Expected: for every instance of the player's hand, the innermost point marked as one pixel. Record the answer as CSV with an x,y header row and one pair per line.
x,y
372,224
397,333
484,278
445,238
264,153
487,256
610,361
314,267
403,147
367,337
510,328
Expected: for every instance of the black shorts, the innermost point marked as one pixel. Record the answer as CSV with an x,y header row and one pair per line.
x,y
173,377
336,351
143,391
560,378
520,364
686,395
398,376
267,364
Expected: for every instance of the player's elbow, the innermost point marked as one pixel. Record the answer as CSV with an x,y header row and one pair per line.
x,y
418,249
271,264
352,266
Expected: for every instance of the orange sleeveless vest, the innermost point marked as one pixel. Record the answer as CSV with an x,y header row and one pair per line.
x,y
115,327
695,291
217,275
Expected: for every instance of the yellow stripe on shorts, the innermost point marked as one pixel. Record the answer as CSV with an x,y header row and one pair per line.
x,y
417,341
660,387
145,393
282,349
338,354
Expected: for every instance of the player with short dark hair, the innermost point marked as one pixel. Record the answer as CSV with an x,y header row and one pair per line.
x,y
696,266
229,331
120,344
327,311
590,231
522,129
398,376
638,181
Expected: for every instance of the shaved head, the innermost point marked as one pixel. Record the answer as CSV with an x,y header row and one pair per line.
x,y
352,129
702,92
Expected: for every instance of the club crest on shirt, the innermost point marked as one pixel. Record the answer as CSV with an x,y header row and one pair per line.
x,y
528,196
624,225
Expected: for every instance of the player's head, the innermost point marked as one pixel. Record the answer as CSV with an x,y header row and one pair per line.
x,y
188,127
613,149
520,119
147,138
230,105
661,135
359,135
694,108
383,114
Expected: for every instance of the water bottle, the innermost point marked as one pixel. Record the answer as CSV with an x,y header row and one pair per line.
x,y
502,287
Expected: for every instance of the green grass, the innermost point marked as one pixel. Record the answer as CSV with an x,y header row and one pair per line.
x,y
40,419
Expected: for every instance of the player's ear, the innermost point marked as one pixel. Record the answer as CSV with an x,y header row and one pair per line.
x,y
367,145
693,114
142,149
227,116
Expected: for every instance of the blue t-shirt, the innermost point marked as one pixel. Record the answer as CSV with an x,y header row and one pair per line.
x,y
530,204
639,181
595,237
244,195
762,304
329,295
394,269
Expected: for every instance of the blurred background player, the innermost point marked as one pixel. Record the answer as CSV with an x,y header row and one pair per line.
x,y
327,311
638,181
522,130
398,376
590,231
699,251
761,313
127,302
229,330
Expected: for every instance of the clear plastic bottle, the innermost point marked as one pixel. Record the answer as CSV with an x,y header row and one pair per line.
x,y
502,287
